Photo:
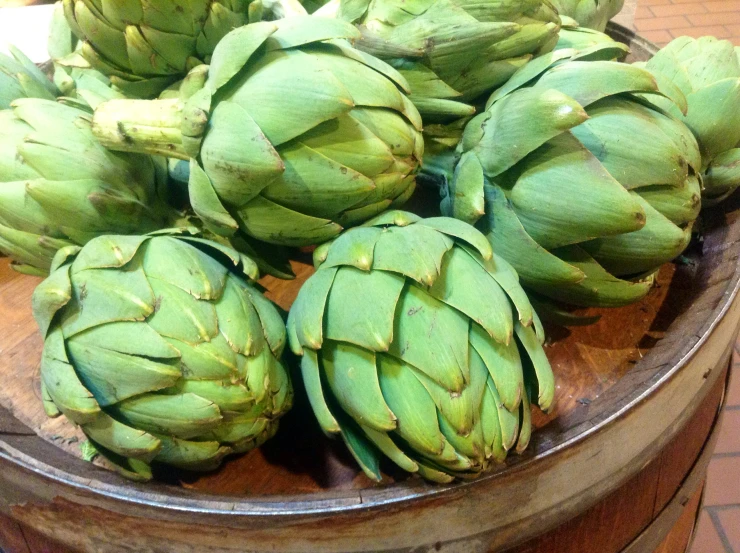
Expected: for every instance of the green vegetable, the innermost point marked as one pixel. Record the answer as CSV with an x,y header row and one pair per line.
x,y
418,344
707,71
451,51
594,14
145,46
59,186
577,182
161,351
291,133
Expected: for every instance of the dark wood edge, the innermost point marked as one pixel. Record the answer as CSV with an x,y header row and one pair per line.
x,y
652,536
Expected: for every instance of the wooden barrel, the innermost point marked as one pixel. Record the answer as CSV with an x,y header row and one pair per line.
x,y
616,465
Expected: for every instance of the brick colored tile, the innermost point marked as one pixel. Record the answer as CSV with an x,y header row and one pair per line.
x,y
659,37
718,18
729,434
654,2
722,487
706,539
730,520
677,9
722,6
662,23
644,12
733,389
712,30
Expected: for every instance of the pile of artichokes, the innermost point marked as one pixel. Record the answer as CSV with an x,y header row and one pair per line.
x,y
181,150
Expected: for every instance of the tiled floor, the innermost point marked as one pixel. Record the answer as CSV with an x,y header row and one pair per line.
x,y
718,530
663,20
719,524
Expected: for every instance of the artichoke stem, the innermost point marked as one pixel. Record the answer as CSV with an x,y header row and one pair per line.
x,y
141,126
284,8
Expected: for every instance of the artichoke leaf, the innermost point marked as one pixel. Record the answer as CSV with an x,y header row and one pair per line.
x,y
432,337
352,375
410,401
461,279
504,365
373,327
113,376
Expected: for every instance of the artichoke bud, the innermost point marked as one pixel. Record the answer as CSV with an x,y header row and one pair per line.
x,y
144,48
707,72
145,384
584,189
437,378
593,14
289,169
72,189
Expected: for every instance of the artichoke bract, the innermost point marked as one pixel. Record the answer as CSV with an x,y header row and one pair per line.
x,y
452,51
296,134
145,46
578,183
161,350
418,344
59,186
572,35
20,78
594,14
707,71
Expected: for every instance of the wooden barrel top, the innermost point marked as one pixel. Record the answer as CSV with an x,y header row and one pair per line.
x,y
625,385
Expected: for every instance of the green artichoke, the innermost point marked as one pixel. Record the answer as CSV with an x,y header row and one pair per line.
x,y
594,14
20,78
73,75
578,183
451,51
295,133
59,187
418,343
707,71
161,351
144,46
573,35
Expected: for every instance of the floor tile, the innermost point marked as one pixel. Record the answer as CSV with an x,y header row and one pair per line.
x,y
729,434
706,539
730,520
718,31
722,482
660,37
678,9
662,23
719,18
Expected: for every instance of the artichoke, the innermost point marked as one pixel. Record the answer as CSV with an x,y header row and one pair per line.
x,y
145,46
578,183
59,187
452,51
418,343
574,36
594,14
20,78
73,75
707,71
295,133
161,351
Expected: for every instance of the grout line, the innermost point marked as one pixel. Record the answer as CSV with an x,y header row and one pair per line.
x,y
726,454
732,408
727,507
720,530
